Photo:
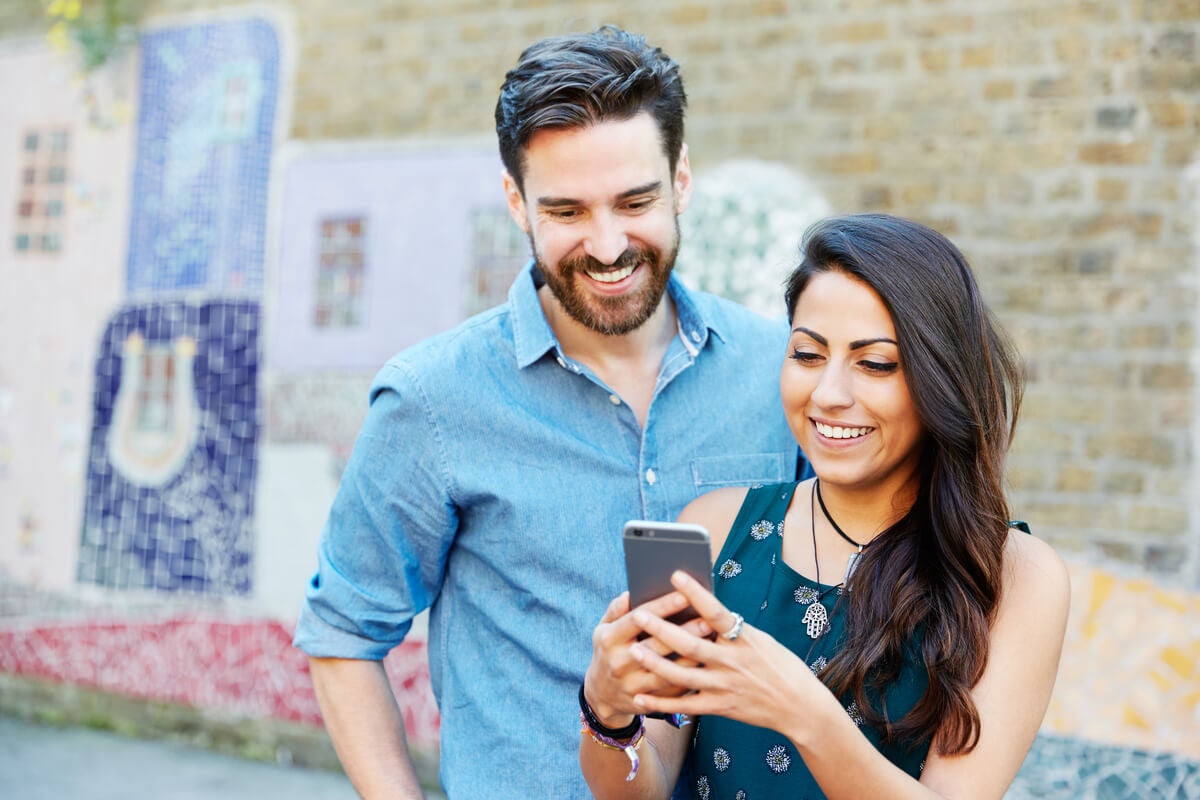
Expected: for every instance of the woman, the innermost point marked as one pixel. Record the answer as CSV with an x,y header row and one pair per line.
x,y
880,630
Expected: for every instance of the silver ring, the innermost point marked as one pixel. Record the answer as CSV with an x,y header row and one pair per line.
x,y
735,630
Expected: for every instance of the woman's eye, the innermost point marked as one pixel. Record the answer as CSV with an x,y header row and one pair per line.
x,y
805,357
880,367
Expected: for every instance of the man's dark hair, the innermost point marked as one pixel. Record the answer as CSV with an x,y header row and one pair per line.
x,y
581,79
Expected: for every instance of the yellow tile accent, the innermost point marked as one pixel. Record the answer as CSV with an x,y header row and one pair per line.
x,y
1138,585
1171,601
1130,669
1102,586
1183,664
1161,681
1134,719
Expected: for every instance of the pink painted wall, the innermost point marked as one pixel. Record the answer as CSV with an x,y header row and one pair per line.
x,y
54,306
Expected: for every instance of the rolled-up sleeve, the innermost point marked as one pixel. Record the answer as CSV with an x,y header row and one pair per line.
x,y
383,550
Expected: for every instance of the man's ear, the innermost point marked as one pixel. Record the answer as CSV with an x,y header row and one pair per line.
x,y
683,180
516,202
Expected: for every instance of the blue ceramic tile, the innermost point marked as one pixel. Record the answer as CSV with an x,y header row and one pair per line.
x,y
205,130
1059,768
189,529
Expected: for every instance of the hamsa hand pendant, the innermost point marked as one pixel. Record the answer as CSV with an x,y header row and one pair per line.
x,y
816,620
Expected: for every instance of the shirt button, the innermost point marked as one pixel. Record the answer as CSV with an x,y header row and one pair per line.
x,y
651,478
561,362
616,401
695,336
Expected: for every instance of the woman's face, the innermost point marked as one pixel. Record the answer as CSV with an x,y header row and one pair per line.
x,y
844,390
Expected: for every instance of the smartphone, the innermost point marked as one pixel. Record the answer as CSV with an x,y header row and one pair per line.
x,y
654,550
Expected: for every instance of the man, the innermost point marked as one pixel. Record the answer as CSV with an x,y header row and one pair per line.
x,y
498,461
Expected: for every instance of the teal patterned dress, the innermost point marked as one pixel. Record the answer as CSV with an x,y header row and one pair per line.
x,y
734,761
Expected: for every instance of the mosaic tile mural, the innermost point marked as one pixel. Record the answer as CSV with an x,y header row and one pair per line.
x,y
499,250
205,135
340,268
64,223
1059,768
41,196
740,236
170,486
325,408
1130,671
382,250
179,655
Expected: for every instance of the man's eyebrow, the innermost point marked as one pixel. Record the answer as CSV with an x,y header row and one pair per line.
x,y
559,202
649,188
857,344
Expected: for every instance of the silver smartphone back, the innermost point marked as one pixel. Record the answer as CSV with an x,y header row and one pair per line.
x,y
654,550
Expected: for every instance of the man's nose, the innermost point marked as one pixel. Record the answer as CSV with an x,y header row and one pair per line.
x,y
606,239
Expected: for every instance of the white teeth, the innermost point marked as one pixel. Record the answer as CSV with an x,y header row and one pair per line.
x,y
612,277
838,432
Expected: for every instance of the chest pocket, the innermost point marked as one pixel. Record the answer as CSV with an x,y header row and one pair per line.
x,y
712,472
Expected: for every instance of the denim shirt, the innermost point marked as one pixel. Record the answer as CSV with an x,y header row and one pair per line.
x,y
490,482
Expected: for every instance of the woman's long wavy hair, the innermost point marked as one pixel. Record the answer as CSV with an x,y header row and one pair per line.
x,y
935,575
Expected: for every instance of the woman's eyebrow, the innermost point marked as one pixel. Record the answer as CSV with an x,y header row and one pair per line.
x,y
860,343
857,344
818,338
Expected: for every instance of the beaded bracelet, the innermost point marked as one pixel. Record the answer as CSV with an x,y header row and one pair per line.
x,y
630,747
627,739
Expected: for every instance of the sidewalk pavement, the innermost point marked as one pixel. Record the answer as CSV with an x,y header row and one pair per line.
x,y
40,762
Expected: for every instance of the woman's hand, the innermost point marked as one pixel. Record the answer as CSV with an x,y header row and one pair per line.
x,y
751,678
614,676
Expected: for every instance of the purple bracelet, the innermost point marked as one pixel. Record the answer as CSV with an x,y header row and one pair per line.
x,y
629,748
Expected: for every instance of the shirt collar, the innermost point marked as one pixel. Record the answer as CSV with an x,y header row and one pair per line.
x,y
533,337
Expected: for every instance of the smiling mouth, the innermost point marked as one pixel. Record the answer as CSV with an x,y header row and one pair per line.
x,y
612,276
839,432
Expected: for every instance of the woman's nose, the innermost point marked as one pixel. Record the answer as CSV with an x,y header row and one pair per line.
x,y
833,389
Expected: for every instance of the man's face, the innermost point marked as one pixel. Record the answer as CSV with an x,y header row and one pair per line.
x,y
600,207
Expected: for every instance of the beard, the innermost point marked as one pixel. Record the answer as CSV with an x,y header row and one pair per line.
x,y
611,316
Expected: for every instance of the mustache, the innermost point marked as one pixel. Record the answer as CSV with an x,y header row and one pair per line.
x,y
630,258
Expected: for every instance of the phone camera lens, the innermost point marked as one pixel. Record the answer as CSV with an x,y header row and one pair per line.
x,y
638,532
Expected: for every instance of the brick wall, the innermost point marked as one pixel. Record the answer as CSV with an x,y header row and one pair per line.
x,y
1048,138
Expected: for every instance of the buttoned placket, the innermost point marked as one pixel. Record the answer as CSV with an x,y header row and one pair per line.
x,y
681,353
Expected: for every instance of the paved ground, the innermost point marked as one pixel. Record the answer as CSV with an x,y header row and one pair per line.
x,y
39,762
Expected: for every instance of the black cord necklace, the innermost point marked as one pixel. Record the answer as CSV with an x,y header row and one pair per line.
x,y
816,618
832,521
852,562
